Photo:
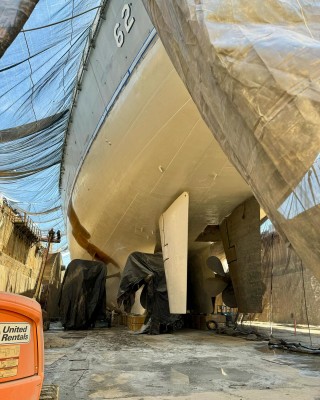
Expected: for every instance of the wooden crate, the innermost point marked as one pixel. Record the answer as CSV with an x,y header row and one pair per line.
x,y
135,322
124,319
116,319
199,322
218,318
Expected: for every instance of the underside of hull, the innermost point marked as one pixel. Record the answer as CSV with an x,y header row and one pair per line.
x,y
152,147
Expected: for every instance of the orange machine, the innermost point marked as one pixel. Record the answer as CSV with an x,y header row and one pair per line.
x,y
21,348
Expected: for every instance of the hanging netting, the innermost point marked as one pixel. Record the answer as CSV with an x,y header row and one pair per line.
x,y
38,75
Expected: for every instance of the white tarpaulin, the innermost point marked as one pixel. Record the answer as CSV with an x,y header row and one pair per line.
x,y
253,69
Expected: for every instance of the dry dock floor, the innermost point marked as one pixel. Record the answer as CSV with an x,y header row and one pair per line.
x,y
189,364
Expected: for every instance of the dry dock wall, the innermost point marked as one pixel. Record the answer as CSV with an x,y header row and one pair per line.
x,y
20,260
291,291
51,285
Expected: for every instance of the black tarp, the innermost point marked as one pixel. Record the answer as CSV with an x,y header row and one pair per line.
x,y
83,294
148,270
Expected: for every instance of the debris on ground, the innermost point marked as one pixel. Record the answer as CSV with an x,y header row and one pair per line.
x,y
292,346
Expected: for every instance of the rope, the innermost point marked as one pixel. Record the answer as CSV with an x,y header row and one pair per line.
x,y
61,21
305,301
271,286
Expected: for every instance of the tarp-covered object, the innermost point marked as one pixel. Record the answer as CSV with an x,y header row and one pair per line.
x,y
253,70
148,270
83,294
13,15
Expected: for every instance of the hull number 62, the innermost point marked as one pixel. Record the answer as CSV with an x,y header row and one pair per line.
x,y
118,34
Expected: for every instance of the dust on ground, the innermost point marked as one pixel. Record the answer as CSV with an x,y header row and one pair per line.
x,y
189,364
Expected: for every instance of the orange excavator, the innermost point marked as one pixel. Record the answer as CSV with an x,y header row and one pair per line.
x,y
21,348
21,340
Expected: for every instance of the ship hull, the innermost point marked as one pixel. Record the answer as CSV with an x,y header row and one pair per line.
x,y
152,146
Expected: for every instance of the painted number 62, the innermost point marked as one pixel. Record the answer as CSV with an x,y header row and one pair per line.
x,y
128,23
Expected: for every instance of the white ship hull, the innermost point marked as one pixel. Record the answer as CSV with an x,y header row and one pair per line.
x,y
152,146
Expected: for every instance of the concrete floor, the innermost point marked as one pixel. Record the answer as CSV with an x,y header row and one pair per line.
x,y
189,364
